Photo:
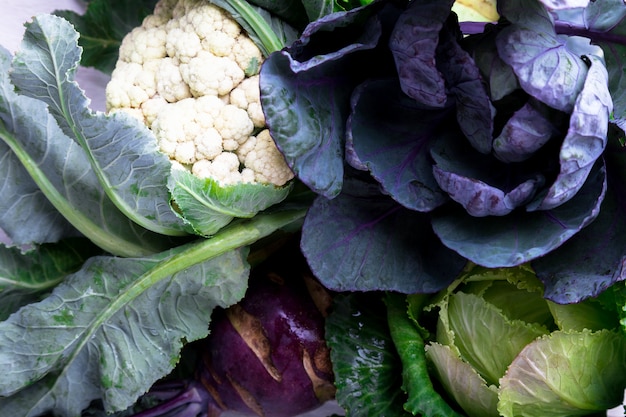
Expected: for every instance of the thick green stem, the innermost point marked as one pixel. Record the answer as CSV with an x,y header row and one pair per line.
x,y
235,236
246,15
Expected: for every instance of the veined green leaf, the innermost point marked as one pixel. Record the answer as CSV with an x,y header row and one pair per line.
x,y
117,325
422,397
209,206
63,173
463,383
26,215
485,337
25,276
122,151
366,367
566,374
111,330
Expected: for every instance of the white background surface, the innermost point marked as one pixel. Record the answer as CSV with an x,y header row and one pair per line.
x,y
13,15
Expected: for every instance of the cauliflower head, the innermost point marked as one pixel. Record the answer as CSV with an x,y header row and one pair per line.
x,y
190,73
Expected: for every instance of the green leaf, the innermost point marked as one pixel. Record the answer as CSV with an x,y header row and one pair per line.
x,y
25,277
422,396
122,151
117,325
587,314
269,33
485,338
566,374
366,366
64,175
103,26
208,206
463,383
111,330
26,215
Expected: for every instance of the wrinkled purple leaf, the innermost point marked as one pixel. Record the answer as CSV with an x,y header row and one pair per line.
x,y
595,258
564,4
591,261
305,93
413,44
391,136
523,134
546,69
604,25
480,199
500,77
474,111
521,236
483,185
364,241
586,137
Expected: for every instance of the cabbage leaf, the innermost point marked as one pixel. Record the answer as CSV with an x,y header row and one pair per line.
x,y
566,374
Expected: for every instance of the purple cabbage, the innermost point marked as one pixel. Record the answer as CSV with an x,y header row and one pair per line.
x,y
489,147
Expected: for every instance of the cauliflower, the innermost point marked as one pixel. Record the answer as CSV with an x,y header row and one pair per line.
x,y
190,73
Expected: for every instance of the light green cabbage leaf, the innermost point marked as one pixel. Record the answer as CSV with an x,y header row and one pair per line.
x,y
462,381
566,374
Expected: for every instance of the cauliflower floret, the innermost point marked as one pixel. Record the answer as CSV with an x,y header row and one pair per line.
x,y
247,96
247,55
182,44
266,161
224,168
143,44
130,85
170,84
151,109
207,74
204,18
234,125
190,73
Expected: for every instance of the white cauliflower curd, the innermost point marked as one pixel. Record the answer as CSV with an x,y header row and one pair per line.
x,y
190,73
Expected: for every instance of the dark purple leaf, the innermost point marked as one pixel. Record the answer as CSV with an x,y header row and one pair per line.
x,y
564,4
474,111
306,88
604,25
591,261
366,242
480,199
596,257
413,44
523,134
545,67
499,77
483,185
391,135
586,137
521,236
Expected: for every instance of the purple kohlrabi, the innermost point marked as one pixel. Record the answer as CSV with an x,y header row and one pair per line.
x,y
265,356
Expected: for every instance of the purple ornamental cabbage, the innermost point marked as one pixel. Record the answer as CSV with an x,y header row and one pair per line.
x,y
428,148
